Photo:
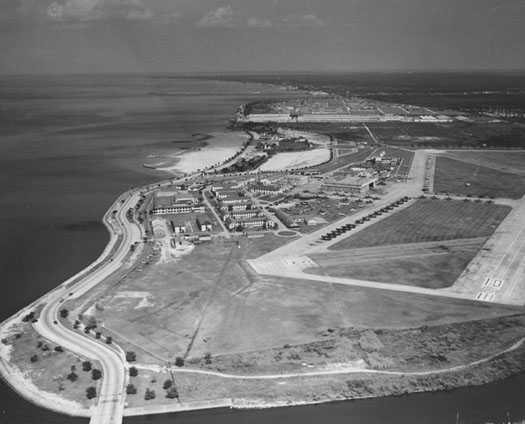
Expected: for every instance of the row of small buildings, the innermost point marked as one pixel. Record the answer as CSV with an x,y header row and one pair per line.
x,y
185,210
177,202
237,210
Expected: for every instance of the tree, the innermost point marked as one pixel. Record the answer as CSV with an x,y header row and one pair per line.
x,y
131,389
34,358
131,356
91,392
207,358
179,361
96,374
64,313
172,393
29,317
150,394
133,372
86,366
72,377
59,349
109,340
167,384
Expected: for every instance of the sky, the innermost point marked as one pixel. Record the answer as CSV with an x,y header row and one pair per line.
x,y
91,36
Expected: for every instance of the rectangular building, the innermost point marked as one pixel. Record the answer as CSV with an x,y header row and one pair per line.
x,y
357,186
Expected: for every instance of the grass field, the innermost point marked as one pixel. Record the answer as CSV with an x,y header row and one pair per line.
x,y
450,135
430,220
211,301
49,369
431,271
463,178
401,349
413,349
511,162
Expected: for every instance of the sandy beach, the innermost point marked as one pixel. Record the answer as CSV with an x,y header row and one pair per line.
x,y
222,146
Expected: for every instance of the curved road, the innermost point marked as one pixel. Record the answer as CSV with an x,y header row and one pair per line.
x,y
111,395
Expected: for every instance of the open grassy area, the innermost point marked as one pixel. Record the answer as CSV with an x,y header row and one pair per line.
x,y
453,176
152,381
450,134
432,347
430,220
426,348
196,388
512,162
211,301
48,367
434,271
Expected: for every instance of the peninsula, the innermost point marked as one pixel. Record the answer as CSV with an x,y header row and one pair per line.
x,y
345,248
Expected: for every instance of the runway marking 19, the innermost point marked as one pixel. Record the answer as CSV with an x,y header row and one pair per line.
x,y
491,283
486,296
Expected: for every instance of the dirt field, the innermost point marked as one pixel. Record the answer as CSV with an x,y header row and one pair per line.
x,y
463,178
432,265
430,220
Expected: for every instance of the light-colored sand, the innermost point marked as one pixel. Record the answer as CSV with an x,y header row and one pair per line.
x,y
5,332
294,160
222,146
133,294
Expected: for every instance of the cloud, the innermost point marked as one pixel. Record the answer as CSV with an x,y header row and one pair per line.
x,y
221,17
92,10
254,22
308,20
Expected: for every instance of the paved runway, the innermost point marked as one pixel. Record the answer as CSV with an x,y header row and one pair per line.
x,y
497,273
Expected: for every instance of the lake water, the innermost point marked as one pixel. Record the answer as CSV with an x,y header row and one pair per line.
x,y
69,146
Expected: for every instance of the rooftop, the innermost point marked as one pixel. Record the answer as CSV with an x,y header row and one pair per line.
x,y
351,180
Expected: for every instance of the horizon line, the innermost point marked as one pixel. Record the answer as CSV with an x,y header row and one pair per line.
x,y
195,73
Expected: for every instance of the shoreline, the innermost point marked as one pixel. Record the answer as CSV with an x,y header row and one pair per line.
x,y
19,383
42,399
32,394
206,155
45,400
